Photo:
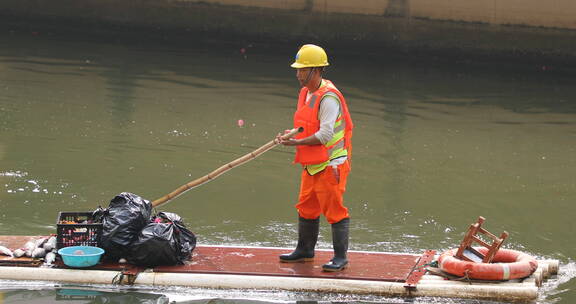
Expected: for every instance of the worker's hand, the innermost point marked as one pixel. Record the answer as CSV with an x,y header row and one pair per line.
x,y
286,142
290,142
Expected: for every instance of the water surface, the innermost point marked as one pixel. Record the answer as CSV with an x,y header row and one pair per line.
x,y
436,145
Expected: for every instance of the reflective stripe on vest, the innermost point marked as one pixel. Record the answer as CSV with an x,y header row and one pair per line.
x,y
335,145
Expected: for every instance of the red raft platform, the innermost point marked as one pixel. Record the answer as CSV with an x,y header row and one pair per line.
x,y
386,274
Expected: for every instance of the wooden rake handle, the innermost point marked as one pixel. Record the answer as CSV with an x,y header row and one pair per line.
x,y
214,174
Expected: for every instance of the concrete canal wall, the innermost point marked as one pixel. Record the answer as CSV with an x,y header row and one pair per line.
x,y
544,13
517,27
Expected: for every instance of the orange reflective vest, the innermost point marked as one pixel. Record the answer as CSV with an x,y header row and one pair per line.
x,y
306,116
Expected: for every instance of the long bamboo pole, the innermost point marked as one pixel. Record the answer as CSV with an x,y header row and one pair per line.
x,y
214,174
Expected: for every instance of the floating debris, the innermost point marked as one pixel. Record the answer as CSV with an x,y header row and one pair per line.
x,y
50,258
6,251
38,253
29,248
40,242
19,253
50,244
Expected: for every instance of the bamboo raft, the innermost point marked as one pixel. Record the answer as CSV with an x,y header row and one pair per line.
x,y
374,273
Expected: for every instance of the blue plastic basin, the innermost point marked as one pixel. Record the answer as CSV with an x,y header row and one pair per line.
x,y
81,256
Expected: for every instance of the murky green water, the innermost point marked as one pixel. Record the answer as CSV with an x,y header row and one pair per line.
x,y
435,145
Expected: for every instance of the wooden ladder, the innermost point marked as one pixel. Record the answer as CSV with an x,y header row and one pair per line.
x,y
468,253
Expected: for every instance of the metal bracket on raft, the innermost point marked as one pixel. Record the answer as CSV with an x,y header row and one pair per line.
x,y
419,269
127,276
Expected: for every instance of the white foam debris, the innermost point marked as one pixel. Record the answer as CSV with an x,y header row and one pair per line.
x,y
14,173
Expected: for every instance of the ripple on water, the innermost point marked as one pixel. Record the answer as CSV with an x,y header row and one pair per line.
x,y
20,182
14,173
205,295
551,290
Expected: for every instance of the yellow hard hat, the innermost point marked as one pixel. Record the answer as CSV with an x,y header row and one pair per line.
x,y
310,55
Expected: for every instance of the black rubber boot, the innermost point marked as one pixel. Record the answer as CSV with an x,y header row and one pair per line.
x,y
307,238
340,243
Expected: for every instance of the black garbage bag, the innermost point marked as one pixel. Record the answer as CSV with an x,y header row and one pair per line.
x,y
125,217
165,241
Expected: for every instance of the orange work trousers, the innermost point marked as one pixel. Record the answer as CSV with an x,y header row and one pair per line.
x,y
322,193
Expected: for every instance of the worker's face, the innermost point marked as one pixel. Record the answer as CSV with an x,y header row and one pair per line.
x,y
302,75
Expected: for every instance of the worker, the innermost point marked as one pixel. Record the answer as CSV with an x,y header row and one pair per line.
x,y
324,150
